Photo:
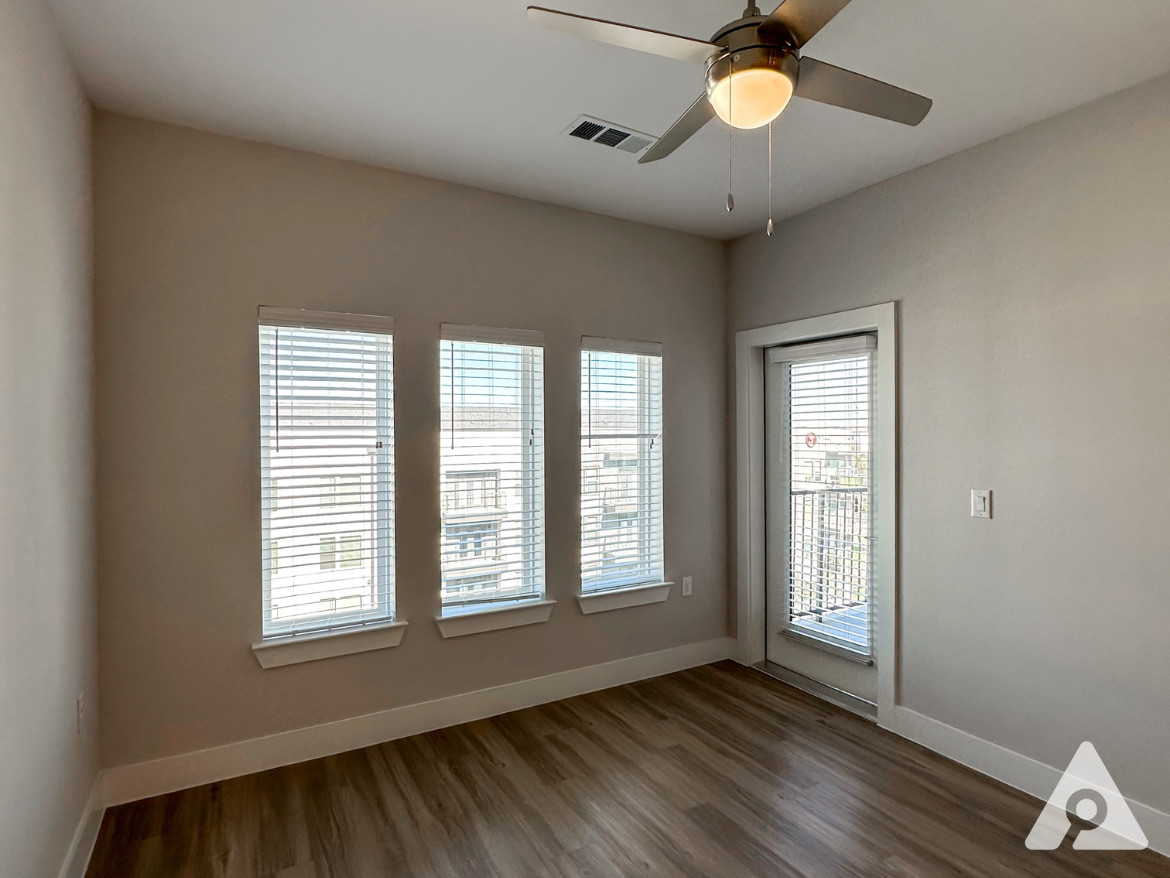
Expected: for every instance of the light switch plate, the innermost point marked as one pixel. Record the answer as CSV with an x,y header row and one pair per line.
x,y
688,586
980,503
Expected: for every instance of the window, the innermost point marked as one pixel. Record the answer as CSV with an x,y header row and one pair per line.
x,y
477,539
351,552
621,464
491,467
327,438
827,397
473,489
471,588
328,553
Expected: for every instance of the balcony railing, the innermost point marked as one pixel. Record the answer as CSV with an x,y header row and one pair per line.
x,y
467,495
829,551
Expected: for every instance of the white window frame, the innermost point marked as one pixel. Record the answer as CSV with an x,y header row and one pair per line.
x,y
651,587
751,618
277,645
459,621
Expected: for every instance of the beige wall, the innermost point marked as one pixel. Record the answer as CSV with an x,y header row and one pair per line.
x,y
193,231
48,630
1033,274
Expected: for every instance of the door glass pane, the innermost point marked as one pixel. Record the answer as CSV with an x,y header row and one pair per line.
x,y
830,499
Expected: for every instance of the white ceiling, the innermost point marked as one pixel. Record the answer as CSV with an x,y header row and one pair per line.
x,y
469,91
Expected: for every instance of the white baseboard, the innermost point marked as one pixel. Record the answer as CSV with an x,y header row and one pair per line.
x,y
128,783
85,836
1007,766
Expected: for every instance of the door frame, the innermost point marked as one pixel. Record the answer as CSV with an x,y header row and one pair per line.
x,y
751,537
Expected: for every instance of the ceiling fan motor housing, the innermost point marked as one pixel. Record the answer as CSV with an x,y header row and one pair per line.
x,y
746,50
745,46
772,57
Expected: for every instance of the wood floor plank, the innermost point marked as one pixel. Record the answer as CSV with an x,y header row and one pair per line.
x,y
718,770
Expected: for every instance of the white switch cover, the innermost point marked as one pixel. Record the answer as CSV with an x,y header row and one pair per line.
x,y
688,586
980,503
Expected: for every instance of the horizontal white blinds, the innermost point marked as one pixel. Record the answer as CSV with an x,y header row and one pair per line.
x,y
493,335
621,346
621,468
327,476
491,468
302,318
830,495
809,350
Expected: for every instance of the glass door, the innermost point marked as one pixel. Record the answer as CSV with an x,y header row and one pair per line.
x,y
819,418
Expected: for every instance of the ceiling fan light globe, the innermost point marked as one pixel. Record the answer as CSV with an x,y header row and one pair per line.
x,y
751,88
751,98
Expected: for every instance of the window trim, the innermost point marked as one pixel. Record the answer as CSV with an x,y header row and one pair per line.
x,y
638,595
338,623
632,589
534,507
291,649
529,612
750,347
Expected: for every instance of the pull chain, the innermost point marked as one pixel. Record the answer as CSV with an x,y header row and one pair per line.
x,y
730,129
771,226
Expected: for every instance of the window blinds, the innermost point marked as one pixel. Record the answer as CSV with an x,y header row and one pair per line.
x,y
491,467
829,414
621,464
327,470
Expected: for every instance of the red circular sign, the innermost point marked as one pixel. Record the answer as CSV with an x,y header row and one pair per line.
x,y
811,440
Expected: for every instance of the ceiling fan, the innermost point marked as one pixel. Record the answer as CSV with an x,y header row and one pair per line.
x,y
754,68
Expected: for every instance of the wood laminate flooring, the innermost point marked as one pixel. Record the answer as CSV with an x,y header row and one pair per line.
x,y
715,771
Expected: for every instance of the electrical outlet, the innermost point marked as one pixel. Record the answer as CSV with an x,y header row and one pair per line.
x,y
80,711
688,586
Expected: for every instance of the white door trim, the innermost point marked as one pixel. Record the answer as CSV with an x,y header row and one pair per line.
x,y
750,345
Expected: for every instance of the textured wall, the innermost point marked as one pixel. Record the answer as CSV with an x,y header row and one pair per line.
x,y
48,621
193,231
1034,279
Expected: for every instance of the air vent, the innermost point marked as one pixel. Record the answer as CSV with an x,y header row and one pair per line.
x,y
634,143
587,130
612,137
609,135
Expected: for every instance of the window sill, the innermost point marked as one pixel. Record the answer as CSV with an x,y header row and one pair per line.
x,y
528,613
276,652
628,596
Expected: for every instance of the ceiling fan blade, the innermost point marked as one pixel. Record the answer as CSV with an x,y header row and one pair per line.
x,y
827,84
624,35
700,113
802,18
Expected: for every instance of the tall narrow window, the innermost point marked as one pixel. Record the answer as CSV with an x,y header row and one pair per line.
x,y
491,467
327,437
827,393
621,464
